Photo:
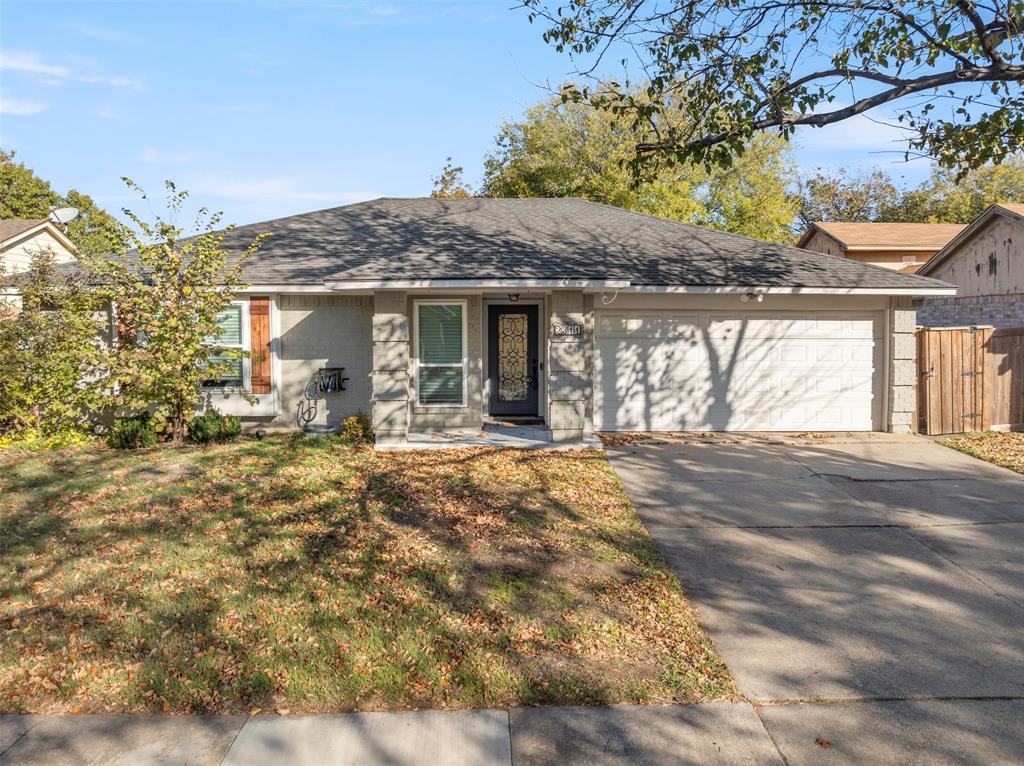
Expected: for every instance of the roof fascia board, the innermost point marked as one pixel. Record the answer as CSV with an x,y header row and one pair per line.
x,y
254,289
475,284
893,248
969,231
808,235
923,291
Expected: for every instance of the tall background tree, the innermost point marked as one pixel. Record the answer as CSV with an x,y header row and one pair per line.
x,y
449,184
168,293
947,198
570,150
844,196
942,198
23,194
719,72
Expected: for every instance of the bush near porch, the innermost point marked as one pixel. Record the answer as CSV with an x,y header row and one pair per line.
x,y
310,575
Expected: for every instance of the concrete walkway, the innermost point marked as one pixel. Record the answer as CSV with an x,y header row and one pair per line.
x,y
716,734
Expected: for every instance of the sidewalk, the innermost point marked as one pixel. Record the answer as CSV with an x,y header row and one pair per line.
x,y
716,733
901,731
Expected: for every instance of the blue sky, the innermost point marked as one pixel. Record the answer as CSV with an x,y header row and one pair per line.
x,y
268,109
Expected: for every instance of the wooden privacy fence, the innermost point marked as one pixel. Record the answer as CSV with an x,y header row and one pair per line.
x,y
970,379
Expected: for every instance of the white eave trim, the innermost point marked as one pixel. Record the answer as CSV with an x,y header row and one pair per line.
x,y
281,288
856,249
911,291
591,285
474,284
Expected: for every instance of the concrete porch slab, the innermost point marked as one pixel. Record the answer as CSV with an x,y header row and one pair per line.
x,y
495,436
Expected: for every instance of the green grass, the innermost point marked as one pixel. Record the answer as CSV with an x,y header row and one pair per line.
x,y
315,576
1002,448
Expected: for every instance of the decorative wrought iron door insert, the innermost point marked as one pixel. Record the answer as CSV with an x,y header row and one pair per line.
x,y
513,365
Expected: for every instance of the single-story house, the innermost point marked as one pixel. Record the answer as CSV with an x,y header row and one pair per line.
x,y
901,246
986,262
435,314
20,240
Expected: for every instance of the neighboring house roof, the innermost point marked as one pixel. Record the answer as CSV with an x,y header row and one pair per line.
x,y
12,230
1013,211
425,239
886,236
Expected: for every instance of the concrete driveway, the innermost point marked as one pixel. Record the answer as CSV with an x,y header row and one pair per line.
x,y
853,569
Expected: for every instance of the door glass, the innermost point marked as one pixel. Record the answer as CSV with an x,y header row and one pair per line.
x,y
513,367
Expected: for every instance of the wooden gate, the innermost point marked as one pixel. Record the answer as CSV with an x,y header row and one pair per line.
x,y
953,392
1004,374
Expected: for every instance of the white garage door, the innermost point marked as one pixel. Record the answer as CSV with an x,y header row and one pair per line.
x,y
743,371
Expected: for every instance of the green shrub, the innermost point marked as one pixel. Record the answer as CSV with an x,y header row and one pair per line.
x,y
212,426
357,428
132,432
33,440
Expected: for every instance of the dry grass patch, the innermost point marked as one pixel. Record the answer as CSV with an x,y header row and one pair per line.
x,y
1001,448
311,575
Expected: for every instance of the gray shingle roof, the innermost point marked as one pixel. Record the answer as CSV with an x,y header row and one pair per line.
x,y
481,238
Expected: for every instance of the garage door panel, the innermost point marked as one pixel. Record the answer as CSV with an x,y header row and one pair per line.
x,y
784,371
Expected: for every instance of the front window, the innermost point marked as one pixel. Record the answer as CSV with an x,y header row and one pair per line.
x,y
441,361
229,322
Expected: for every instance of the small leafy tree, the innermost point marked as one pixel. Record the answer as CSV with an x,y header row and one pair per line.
x,y
51,342
167,293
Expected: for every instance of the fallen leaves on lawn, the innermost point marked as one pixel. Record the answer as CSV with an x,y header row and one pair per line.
x,y
308,576
1002,448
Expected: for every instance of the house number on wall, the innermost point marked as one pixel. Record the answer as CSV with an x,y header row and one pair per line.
x,y
566,329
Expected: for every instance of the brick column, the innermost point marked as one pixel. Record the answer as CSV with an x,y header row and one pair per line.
x,y
902,367
390,367
569,367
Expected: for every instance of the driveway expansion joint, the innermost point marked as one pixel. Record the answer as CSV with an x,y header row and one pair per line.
x,y
232,742
771,737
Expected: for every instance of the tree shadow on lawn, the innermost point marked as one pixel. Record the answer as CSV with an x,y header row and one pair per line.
x,y
320,577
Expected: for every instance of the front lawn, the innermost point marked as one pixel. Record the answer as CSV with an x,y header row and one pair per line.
x,y
1001,448
311,576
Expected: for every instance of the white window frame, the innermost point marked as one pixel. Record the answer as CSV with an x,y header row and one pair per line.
x,y
465,339
246,344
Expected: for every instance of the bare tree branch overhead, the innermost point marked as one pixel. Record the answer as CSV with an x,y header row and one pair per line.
x,y
718,71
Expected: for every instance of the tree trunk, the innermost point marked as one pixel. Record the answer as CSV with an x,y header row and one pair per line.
x,y
178,422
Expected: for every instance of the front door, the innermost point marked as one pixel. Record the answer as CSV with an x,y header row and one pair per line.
x,y
513,365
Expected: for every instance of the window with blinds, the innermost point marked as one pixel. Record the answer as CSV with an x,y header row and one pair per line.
x,y
441,362
229,322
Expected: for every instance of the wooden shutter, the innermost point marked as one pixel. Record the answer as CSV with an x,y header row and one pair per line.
x,y
259,335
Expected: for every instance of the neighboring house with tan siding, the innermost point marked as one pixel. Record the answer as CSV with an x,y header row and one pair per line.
x,y
986,262
20,240
901,246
